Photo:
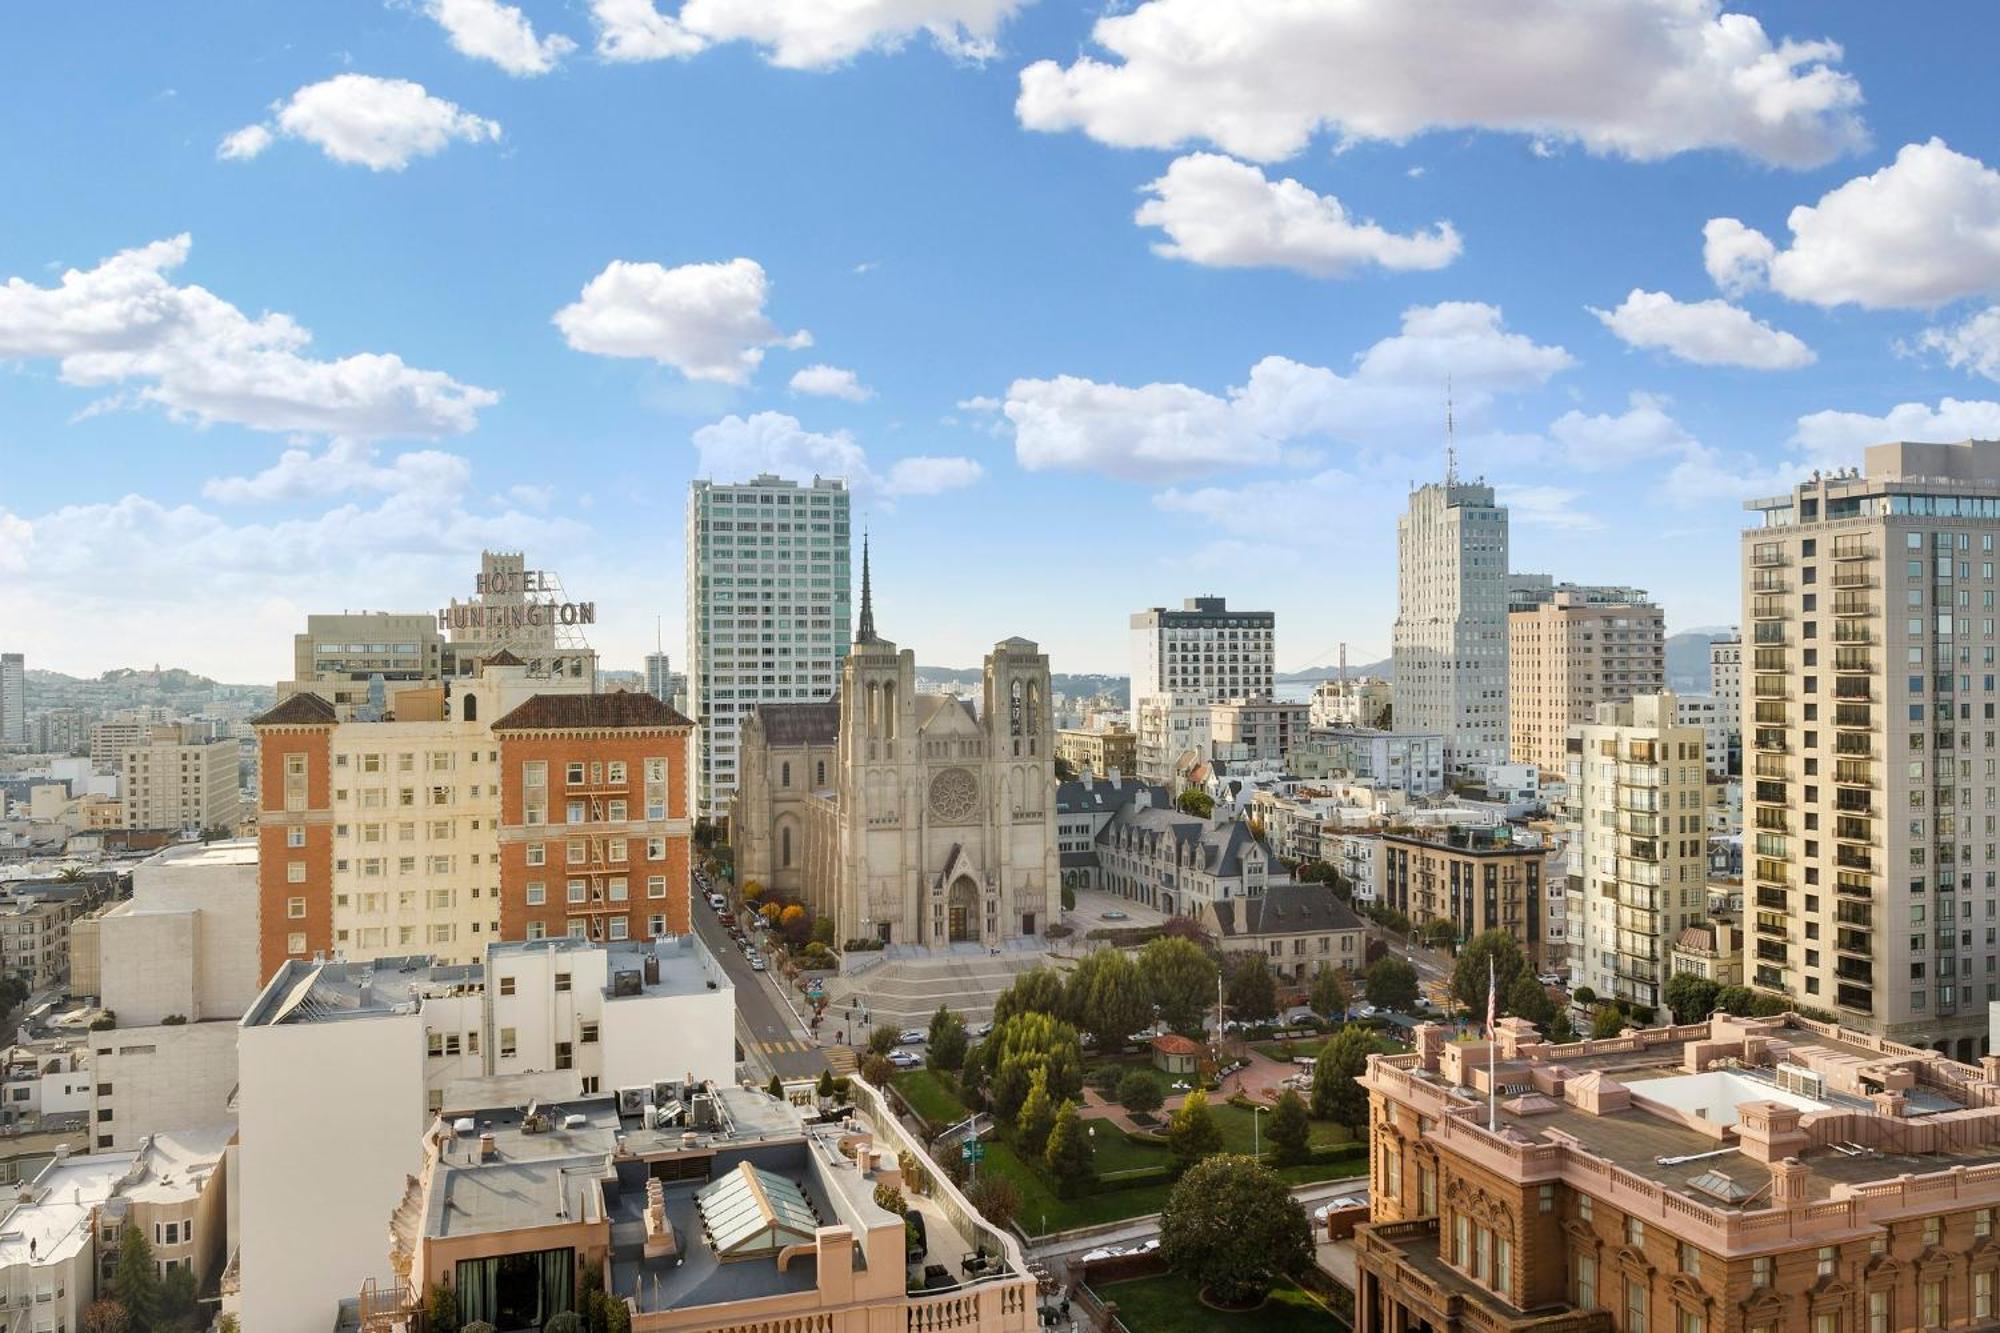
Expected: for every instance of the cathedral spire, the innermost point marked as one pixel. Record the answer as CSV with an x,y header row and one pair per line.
x,y
866,632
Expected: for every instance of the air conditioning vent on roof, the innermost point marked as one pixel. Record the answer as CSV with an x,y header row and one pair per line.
x,y
1800,1080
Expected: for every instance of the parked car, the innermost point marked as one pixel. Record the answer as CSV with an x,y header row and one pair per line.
x,y
1102,1252
1550,979
756,963
903,1059
979,1030
913,1036
716,901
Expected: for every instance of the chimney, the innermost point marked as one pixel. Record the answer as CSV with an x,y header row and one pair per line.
x,y
1788,1183
488,1148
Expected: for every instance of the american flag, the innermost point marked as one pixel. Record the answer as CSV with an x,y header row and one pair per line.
x,y
1492,1022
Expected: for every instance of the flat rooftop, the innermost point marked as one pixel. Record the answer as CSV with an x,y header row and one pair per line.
x,y
197,855
335,991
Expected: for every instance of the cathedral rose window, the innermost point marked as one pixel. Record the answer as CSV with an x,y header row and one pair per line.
x,y
954,794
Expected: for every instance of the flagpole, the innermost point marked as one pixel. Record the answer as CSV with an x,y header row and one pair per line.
x,y
1492,1056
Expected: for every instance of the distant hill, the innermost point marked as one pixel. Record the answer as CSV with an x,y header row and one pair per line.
x,y
1383,668
1687,658
1075,685
126,687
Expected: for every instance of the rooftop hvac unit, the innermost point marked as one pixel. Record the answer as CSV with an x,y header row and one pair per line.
x,y
627,983
1802,1081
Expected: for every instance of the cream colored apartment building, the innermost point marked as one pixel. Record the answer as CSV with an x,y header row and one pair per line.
x,y
1569,655
170,782
416,813
1871,766
339,656
1637,787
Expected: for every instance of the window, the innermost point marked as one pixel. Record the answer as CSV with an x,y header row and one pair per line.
x,y
1982,1223
618,928
506,985
562,981
656,886
1635,1232
295,872
295,837
1878,1312
564,1058
587,1033
295,909
1690,1259
576,891
1583,1207
1931,1303
538,893
1829,1257
1760,1271
295,942
1982,1295
538,854
1635,1306
574,775
1689,1321
1503,1264
508,1041
1586,1281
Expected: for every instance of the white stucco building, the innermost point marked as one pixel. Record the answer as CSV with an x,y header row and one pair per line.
x,y
1450,643
344,1063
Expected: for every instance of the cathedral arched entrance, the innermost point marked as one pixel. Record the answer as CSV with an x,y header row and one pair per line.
x,y
961,910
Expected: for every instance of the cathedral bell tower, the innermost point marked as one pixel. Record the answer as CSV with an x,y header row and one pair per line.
x,y
876,713
1020,733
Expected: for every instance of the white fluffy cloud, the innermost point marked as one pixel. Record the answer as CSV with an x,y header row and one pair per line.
x,y
359,119
826,381
798,35
501,33
705,320
1165,432
739,446
407,528
243,144
1836,439
1922,231
1708,333
1700,476
1547,507
1972,344
1226,214
124,323
1736,257
1638,78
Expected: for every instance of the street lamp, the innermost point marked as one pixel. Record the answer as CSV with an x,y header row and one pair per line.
x,y
1256,1138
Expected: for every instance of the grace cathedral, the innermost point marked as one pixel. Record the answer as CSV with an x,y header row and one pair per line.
x,y
903,817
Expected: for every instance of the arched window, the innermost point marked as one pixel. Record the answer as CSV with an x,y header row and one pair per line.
x,y
471,711
785,774
819,774
785,846
889,712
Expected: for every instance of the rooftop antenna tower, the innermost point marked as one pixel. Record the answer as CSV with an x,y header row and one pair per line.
x,y
1343,662
1450,439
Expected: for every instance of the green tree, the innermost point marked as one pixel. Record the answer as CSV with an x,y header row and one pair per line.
x,y
1332,993
1529,999
945,1048
995,1197
1438,933
1181,979
1337,1094
1069,1154
1734,1000
1018,1047
1232,1226
1194,801
882,1040
1108,996
1469,974
1037,1115
776,1088
1139,1091
1584,996
1036,991
1065,770
822,931
1192,1133
1289,1134
1608,1021
824,1091
1561,1030
440,1309
134,1281
177,1301
1253,991
1691,997
1391,984
877,1069
1766,1005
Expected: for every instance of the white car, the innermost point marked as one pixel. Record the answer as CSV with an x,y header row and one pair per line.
x,y
979,1030
1105,1252
1145,1246
913,1036
1550,979
905,1059
756,963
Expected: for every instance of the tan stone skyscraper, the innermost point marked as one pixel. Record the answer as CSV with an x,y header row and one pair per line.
x,y
1870,751
1572,653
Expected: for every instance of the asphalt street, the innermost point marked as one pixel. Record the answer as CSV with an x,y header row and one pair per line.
x,y
771,1038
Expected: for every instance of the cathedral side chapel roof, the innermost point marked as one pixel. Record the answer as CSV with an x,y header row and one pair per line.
x,y
800,724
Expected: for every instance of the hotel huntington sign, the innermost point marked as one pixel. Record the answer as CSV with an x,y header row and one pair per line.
x,y
515,600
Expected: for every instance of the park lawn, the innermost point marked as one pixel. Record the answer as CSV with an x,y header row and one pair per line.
x,y
932,1096
1171,1303
1238,1135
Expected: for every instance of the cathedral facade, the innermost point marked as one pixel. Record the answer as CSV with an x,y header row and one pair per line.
x,y
907,818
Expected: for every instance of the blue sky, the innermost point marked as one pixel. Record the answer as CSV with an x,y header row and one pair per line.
x,y
1354,203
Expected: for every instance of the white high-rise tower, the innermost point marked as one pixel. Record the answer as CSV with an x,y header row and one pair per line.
x,y
1450,648
768,609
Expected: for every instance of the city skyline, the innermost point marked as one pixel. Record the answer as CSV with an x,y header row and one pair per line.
x,y
1248,327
